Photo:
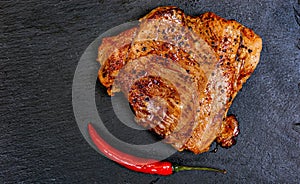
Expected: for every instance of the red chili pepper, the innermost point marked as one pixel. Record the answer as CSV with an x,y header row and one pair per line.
x,y
143,165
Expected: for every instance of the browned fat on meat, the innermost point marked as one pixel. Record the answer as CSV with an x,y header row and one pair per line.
x,y
181,73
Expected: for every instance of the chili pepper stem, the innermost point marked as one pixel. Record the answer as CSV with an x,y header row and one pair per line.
x,y
179,168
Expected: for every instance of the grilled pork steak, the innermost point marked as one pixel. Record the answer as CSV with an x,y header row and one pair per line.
x,y
181,74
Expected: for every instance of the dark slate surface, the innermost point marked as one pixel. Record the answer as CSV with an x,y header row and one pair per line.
x,y
41,43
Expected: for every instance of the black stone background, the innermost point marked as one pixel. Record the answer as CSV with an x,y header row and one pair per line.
x,y
41,43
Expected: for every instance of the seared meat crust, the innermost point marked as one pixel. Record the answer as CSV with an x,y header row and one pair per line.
x,y
153,62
